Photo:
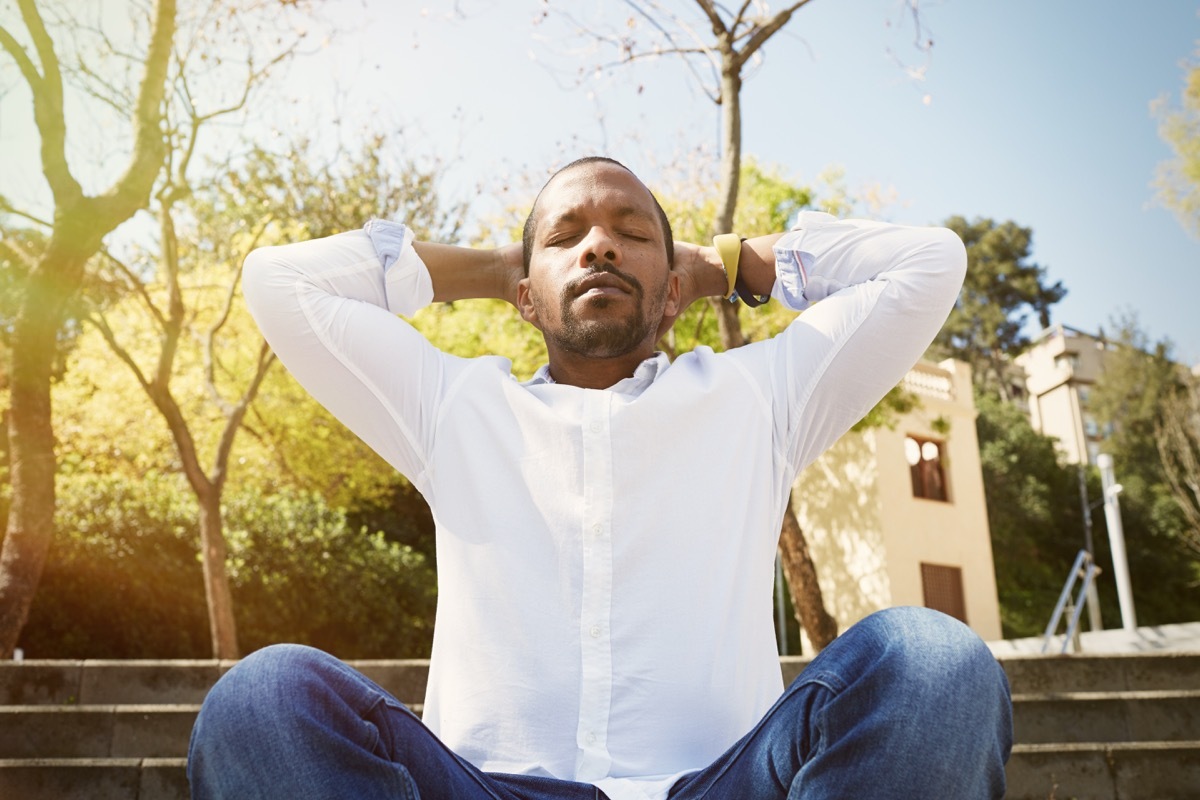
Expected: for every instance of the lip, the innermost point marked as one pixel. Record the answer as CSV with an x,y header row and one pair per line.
x,y
602,283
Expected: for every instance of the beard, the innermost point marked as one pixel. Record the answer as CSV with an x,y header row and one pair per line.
x,y
612,336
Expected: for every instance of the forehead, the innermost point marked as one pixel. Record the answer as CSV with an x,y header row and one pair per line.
x,y
595,187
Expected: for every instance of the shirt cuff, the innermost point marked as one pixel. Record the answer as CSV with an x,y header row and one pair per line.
x,y
793,262
407,283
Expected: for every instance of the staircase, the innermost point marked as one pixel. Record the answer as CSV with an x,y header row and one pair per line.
x,y
1114,727
1105,727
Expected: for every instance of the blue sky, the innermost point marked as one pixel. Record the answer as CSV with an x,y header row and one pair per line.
x,y
1038,111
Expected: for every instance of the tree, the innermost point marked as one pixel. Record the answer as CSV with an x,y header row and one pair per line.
x,y
196,280
1128,400
80,223
986,328
1178,179
1035,520
1177,436
720,60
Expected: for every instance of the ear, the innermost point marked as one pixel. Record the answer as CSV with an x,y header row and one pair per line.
x,y
525,304
674,295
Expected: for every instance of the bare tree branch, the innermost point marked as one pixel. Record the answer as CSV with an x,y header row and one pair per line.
x,y
6,208
233,423
26,65
210,338
149,144
137,285
765,32
741,12
48,109
718,25
100,322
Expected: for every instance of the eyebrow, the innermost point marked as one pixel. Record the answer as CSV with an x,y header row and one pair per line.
x,y
622,212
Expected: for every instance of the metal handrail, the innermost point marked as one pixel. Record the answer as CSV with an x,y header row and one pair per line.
x,y
1084,561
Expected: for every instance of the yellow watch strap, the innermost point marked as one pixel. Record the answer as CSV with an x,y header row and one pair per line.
x,y
729,248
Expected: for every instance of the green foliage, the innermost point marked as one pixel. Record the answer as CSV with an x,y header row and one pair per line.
x,y
1034,514
1179,179
307,195
1128,399
298,568
986,326
123,579
472,328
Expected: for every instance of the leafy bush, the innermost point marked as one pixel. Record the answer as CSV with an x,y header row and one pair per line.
x,y
123,578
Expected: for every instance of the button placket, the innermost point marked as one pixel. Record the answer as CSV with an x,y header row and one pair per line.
x,y
595,694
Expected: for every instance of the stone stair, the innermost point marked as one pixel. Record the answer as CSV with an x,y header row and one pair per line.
x,y
1114,727
1105,727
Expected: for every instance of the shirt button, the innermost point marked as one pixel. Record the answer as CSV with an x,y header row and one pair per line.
x,y
595,426
591,738
595,631
597,529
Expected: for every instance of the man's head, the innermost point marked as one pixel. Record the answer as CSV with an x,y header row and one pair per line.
x,y
598,253
530,229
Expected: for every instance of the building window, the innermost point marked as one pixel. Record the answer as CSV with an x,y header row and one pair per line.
x,y
924,458
1067,361
943,587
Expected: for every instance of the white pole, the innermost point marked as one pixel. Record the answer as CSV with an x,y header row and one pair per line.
x,y
1116,539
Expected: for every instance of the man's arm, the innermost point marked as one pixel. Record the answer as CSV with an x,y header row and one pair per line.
x,y
876,295
328,308
465,273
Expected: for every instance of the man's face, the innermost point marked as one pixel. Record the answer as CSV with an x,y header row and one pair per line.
x,y
599,282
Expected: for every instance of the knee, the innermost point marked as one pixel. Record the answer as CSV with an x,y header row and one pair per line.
x,y
259,691
928,653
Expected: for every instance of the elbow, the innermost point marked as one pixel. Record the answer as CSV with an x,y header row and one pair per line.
x,y
951,255
260,271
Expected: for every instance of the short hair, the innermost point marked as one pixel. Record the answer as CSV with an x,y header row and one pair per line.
x,y
530,229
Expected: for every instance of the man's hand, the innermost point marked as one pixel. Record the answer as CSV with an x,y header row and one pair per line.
x,y
511,266
700,275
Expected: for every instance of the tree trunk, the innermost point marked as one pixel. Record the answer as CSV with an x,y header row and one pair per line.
x,y
80,225
33,351
797,563
802,578
221,624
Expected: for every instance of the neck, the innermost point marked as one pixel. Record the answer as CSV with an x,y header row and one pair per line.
x,y
588,372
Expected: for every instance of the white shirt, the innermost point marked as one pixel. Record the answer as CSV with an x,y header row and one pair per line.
x,y
605,558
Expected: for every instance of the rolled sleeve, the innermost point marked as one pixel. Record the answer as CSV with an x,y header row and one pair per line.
x,y
408,286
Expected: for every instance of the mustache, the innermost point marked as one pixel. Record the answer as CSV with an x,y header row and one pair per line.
x,y
602,268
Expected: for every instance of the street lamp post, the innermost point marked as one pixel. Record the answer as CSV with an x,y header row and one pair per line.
x,y
1093,595
1116,538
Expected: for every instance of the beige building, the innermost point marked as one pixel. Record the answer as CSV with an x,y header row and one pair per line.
x,y
1060,368
898,517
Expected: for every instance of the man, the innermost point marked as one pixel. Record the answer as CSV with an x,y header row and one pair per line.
x,y
606,531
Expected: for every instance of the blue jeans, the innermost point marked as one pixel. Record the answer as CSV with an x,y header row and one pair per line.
x,y
908,703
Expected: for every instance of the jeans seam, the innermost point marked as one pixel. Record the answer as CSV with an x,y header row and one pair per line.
x,y
469,768
825,680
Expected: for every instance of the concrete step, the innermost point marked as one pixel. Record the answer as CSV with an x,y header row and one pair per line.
x,y
113,731
1112,726
162,731
1105,771
162,682
1113,672
110,731
96,682
94,779
1068,717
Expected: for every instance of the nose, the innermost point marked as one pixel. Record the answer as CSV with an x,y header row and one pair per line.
x,y
599,245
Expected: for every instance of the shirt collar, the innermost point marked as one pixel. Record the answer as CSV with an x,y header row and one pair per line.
x,y
646,373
